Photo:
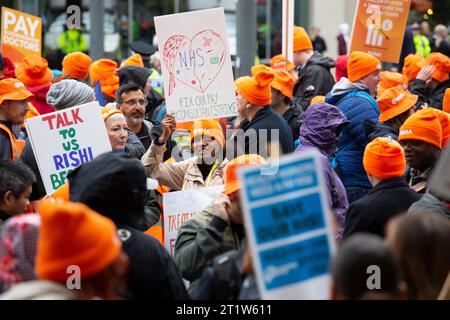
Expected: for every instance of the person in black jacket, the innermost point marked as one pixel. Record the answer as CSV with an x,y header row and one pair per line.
x,y
314,77
115,186
384,162
282,86
263,124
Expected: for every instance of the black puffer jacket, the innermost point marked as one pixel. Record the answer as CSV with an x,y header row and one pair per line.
x,y
431,97
115,186
314,79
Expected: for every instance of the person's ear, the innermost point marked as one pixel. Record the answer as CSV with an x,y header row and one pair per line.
x,y
8,198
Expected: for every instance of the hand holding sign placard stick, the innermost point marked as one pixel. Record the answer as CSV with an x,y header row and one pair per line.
x,y
196,65
66,139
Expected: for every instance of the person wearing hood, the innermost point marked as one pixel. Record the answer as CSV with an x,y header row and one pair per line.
x,y
18,239
432,80
74,241
314,77
36,76
396,105
355,98
61,95
115,185
385,164
322,125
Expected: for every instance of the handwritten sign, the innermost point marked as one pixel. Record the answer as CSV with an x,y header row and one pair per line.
x,y
196,66
379,28
66,139
180,206
21,34
288,228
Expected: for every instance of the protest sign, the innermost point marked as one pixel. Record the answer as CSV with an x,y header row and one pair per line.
x,y
196,65
66,139
379,28
180,206
288,227
21,34
288,31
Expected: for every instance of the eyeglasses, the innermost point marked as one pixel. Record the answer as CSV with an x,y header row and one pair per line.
x,y
132,102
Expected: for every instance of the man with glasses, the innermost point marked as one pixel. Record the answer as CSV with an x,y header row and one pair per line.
x,y
131,101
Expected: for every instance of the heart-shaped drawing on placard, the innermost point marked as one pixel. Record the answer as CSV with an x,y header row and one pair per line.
x,y
194,62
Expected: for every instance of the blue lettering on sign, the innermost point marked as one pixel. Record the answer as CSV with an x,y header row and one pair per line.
x,y
191,59
288,218
296,262
290,177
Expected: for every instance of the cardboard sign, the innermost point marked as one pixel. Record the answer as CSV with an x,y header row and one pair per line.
x,y
379,28
288,227
196,65
66,139
21,34
179,206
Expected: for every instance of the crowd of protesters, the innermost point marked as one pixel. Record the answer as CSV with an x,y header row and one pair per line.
x,y
379,133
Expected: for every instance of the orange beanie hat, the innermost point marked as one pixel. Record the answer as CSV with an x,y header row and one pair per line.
x,y
278,63
284,83
446,101
423,125
301,40
238,82
73,234
384,158
208,127
395,101
34,71
442,64
134,60
444,119
360,64
76,65
103,70
108,112
260,67
256,90
231,179
411,67
391,79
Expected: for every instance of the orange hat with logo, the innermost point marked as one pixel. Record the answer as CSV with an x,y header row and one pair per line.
x,y
411,67
231,180
444,119
391,79
384,158
301,40
284,83
134,60
76,65
108,112
71,234
13,89
256,90
442,64
104,70
423,125
278,63
361,64
393,102
260,67
446,101
208,127
34,71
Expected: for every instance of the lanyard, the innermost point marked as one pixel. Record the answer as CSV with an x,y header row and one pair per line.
x,y
208,178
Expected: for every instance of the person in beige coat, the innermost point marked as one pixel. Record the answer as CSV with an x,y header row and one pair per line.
x,y
202,170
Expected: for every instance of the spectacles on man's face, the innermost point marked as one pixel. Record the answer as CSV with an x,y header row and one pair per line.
x,y
133,102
